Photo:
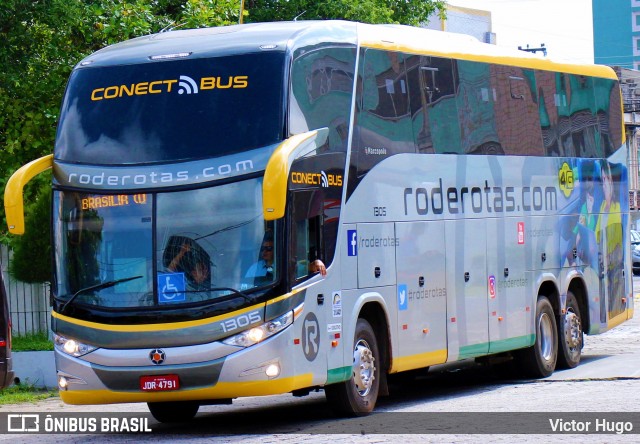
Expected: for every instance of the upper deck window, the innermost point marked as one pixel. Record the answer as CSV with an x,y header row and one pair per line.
x,y
169,111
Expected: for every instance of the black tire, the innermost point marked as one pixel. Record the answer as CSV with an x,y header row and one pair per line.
x,y
358,395
179,411
570,334
539,360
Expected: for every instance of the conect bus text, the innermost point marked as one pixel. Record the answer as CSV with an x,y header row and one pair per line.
x,y
491,199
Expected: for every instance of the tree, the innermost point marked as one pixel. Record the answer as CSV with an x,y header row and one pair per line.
x,y
406,12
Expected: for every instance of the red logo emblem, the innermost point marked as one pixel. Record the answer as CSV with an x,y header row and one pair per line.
x,y
157,356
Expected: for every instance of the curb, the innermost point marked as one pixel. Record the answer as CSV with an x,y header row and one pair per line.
x,y
35,368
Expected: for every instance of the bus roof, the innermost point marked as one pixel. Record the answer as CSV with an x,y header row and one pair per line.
x,y
219,41
254,37
460,46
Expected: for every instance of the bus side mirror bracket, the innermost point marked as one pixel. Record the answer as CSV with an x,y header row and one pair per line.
x,y
276,175
13,193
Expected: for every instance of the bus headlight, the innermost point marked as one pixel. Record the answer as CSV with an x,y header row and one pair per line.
x,y
256,334
71,346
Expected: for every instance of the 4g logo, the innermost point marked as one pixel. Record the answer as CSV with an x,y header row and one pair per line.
x,y
565,178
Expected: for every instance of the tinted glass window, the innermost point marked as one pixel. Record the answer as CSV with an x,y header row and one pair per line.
x,y
383,125
516,108
477,102
584,119
609,112
321,91
102,238
434,113
174,110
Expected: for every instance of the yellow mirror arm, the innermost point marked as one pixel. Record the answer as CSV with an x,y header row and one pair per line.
x,y
276,175
13,193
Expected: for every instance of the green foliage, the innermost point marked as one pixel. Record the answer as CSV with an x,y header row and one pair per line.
x,y
31,342
25,392
31,260
406,12
42,40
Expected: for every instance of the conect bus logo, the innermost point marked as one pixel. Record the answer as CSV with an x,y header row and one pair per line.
x,y
185,85
323,179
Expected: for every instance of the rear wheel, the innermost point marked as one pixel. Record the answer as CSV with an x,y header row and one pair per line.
x,y
358,395
180,411
539,361
570,334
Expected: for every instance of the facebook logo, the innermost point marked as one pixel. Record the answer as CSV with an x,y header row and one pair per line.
x,y
352,242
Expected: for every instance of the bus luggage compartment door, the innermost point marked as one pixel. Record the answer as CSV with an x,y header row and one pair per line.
x,y
422,295
376,251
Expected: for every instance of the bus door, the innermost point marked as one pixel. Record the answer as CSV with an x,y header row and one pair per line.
x,y
467,306
422,295
306,244
507,285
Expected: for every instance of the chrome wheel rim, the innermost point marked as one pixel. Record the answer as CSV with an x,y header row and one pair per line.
x,y
363,367
572,331
545,329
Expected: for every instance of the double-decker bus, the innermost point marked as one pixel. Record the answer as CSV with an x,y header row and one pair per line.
x,y
466,201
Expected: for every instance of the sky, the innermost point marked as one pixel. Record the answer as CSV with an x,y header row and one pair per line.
x,y
564,26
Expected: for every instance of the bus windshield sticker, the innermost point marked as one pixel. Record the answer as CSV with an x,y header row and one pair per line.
x,y
171,288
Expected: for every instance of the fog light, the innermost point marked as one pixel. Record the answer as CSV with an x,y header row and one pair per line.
x,y
272,370
62,382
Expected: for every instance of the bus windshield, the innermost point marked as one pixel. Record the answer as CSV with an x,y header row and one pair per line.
x,y
169,111
209,244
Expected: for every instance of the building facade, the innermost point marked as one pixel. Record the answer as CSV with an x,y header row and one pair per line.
x,y
616,33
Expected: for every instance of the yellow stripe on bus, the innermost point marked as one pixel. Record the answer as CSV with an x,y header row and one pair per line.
x,y
222,390
169,325
622,317
420,360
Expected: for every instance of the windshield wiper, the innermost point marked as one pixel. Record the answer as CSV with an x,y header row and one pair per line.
x,y
233,290
100,286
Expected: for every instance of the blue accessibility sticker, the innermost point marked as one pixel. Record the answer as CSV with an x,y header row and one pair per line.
x,y
171,288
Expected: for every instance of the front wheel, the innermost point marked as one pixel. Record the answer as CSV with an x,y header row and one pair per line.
x,y
539,361
358,395
179,411
571,336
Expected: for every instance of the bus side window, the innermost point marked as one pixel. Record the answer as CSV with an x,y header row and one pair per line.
x,y
320,93
383,122
434,115
306,232
517,117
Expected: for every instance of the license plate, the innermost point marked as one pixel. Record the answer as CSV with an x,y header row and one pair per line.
x,y
159,383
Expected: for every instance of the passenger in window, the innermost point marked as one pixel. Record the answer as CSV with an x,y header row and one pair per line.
x,y
315,263
317,266
197,269
264,268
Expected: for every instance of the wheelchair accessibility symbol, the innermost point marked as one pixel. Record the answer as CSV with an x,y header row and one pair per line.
x,y
171,288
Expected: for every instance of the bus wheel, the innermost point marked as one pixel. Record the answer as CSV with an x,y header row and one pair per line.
x,y
539,361
357,396
571,336
179,411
